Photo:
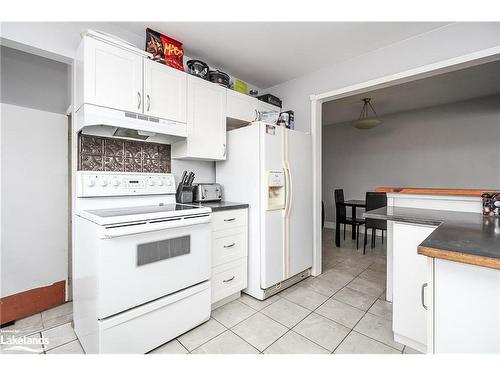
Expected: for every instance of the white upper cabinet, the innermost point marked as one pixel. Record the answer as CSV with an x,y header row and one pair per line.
x,y
240,106
112,76
165,93
206,121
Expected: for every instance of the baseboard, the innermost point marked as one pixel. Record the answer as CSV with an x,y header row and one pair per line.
x,y
29,302
331,225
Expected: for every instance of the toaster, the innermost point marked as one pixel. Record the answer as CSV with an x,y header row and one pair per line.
x,y
207,192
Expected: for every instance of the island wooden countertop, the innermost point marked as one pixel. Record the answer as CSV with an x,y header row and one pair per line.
x,y
436,191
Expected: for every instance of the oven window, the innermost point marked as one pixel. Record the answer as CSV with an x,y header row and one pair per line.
x,y
155,251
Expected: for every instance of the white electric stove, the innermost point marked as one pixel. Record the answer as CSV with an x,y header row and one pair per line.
x,y
141,262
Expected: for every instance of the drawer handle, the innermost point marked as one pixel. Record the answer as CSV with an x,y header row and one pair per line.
x,y
228,220
228,280
422,297
230,245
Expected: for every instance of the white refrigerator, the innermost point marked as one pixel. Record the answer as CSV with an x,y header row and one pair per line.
x,y
270,168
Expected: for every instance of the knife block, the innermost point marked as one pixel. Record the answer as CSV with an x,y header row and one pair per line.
x,y
185,194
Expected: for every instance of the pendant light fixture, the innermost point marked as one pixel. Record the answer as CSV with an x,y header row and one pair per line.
x,y
365,121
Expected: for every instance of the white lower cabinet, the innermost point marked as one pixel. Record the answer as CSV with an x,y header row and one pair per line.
x,y
464,312
409,285
229,254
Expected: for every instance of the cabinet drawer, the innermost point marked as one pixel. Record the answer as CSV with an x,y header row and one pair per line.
x,y
228,245
228,279
229,219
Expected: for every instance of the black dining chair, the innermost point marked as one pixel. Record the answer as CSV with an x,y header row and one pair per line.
x,y
374,200
341,215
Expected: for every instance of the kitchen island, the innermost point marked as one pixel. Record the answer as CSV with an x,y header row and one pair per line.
x,y
443,269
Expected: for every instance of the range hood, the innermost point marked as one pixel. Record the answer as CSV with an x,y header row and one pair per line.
x,y
107,122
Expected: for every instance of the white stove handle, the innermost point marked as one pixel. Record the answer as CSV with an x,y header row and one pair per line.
x,y
151,226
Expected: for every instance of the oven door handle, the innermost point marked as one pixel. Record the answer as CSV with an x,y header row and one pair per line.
x,y
152,226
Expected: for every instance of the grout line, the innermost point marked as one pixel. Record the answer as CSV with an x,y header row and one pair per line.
x,y
58,346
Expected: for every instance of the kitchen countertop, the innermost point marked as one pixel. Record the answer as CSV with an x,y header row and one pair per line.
x,y
224,205
460,236
435,191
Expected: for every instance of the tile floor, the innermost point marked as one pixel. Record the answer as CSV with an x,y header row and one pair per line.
x,y
341,311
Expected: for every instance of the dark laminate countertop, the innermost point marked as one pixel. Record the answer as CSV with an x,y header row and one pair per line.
x,y
460,236
223,205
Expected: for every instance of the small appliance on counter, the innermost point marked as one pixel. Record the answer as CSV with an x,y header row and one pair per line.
x,y
185,189
271,99
209,192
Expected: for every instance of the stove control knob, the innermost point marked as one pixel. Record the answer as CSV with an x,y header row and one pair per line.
x,y
116,182
160,183
90,183
151,182
104,183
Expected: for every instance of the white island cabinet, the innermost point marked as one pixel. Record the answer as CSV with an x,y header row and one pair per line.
x,y
463,308
407,271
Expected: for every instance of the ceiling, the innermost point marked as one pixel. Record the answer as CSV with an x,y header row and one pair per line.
x,y
474,82
268,53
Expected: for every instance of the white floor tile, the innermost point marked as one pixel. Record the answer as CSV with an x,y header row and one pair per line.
x,y
25,326
306,298
286,312
58,336
379,329
322,331
382,308
354,298
201,334
256,304
368,287
336,277
356,343
408,350
171,347
259,330
321,286
227,343
340,312
232,313
293,343
72,347
58,311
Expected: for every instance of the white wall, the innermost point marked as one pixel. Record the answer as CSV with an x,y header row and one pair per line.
x,y
34,247
35,82
452,146
441,44
204,170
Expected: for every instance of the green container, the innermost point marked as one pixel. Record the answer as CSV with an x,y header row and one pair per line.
x,y
240,86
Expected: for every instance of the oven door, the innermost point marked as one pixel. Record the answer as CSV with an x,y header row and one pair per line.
x,y
137,268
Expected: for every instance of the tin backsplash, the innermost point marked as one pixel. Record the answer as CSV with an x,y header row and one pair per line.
x,y
117,155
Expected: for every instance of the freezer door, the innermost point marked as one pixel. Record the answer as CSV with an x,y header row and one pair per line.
x,y
300,202
272,251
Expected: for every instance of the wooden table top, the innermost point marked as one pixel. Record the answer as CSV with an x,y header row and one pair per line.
x,y
436,191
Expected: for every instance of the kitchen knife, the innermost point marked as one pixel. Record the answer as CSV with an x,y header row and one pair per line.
x,y
190,179
183,178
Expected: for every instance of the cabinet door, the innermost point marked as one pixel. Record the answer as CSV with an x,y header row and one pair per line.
x,y
165,91
409,320
240,106
206,120
113,76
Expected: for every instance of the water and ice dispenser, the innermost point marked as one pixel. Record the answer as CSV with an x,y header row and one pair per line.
x,y
276,190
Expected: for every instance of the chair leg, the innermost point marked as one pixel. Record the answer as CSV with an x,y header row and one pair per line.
x,y
344,232
357,238
383,236
364,242
373,237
